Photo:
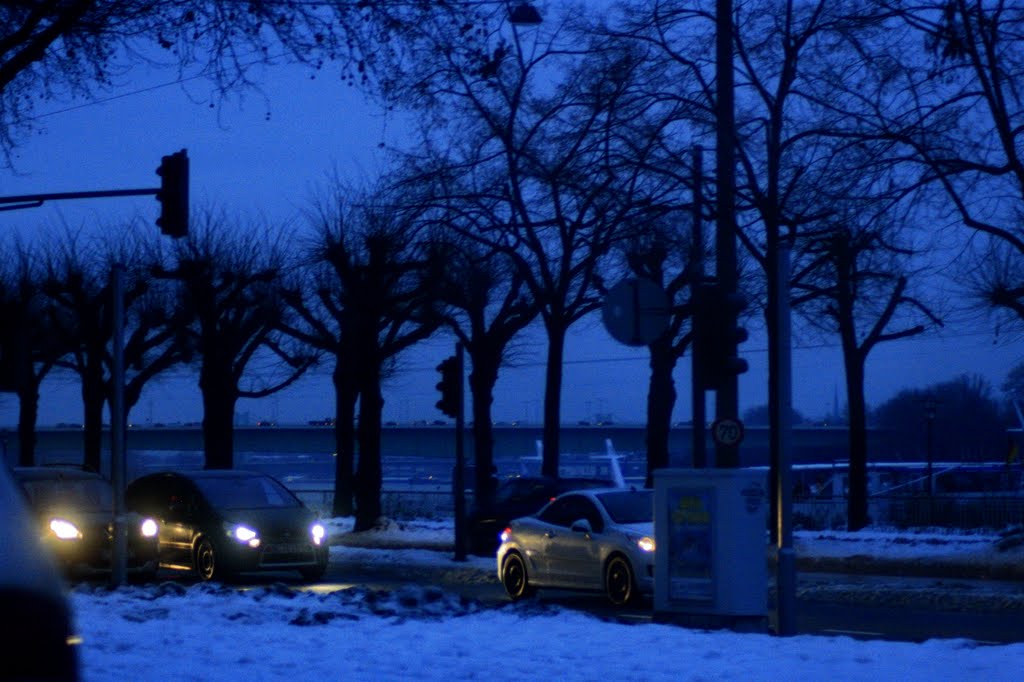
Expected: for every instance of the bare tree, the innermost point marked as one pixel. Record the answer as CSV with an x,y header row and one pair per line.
x,y
80,299
488,306
373,294
962,121
81,48
857,287
531,136
30,344
228,281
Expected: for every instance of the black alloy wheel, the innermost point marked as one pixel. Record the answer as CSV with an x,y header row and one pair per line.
x,y
514,578
206,561
618,581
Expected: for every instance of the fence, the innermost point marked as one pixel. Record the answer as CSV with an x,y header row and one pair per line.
x,y
964,512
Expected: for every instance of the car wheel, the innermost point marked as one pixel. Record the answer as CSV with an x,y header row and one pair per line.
x,y
206,561
619,584
514,578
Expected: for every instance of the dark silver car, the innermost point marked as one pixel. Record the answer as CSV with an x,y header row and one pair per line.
x,y
583,540
73,509
219,523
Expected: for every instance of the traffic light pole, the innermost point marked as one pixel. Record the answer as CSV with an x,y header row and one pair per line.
x,y
726,395
36,200
118,459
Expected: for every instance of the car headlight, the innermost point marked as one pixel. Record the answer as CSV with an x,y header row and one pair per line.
x,y
645,543
318,533
65,530
149,528
246,535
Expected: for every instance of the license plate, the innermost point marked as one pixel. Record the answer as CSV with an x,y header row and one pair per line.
x,y
293,548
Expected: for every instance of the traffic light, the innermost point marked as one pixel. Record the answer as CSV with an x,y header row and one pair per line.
x,y
450,387
173,194
716,335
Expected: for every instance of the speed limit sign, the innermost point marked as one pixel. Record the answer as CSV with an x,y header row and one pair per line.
x,y
727,431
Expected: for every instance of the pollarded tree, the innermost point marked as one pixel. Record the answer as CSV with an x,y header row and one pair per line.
x,y
372,295
78,291
31,345
227,282
487,306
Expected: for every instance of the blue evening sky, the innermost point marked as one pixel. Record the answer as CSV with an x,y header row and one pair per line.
x,y
267,158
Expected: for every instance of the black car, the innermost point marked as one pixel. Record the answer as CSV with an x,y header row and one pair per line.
x,y
515,497
74,508
220,522
39,642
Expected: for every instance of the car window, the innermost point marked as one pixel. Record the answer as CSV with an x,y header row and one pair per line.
x,y
629,506
256,492
522,489
569,508
84,494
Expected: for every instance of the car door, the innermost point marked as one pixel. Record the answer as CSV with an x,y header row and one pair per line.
x,y
571,555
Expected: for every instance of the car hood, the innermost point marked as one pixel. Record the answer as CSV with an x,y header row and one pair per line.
x,y
645,528
271,520
88,518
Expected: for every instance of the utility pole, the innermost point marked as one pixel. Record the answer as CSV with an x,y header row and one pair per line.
x,y
726,395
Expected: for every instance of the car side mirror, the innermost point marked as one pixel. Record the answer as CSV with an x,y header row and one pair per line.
x,y
581,526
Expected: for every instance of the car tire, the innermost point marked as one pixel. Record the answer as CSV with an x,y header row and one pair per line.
x,y
205,561
619,583
514,577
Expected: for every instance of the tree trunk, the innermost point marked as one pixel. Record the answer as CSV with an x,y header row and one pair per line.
x,y
661,400
369,475
28,415
346,394
857,502
481,384
553,400
219,400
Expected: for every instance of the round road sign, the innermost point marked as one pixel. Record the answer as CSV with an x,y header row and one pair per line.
x,y
727,431
636,312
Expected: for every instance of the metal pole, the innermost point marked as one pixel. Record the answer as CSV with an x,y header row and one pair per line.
x,y
459,482
700,454
783,399
726,397
117,426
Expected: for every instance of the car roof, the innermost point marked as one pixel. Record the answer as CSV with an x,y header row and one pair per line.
x,y
53,473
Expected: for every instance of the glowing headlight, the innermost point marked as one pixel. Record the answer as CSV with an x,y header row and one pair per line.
x,y
65,530
646,544
247,535
149,528
318,533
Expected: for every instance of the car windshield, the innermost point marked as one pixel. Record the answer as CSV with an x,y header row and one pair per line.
x,y
257,492
82,494
629,506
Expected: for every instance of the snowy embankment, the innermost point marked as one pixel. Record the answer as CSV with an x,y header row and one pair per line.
x,y
207,632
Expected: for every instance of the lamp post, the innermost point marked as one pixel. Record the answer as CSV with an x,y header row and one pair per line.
x,y
524,14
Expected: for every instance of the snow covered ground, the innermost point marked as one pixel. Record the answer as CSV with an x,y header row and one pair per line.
x,y
207,632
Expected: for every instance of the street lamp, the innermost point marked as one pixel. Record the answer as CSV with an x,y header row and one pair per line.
x,y
524,14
